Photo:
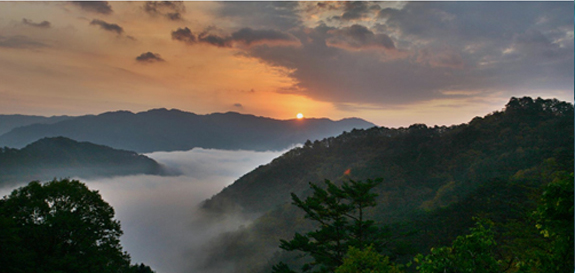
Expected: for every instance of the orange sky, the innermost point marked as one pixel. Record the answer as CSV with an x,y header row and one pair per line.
x,y
335,60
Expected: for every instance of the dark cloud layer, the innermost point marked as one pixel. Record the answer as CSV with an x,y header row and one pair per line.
x,y
108,26
43,24
149,57
171,10
425,50
244,36
185,35
280,15
357,10
358,37
250,36
102,7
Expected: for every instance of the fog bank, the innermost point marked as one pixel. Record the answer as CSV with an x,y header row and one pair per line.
x,y
159,215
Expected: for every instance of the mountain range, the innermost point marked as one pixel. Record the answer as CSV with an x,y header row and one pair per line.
x,y
436,179
9,122
170,130
60,157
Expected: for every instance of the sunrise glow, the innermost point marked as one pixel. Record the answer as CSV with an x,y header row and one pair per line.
x,y
299,116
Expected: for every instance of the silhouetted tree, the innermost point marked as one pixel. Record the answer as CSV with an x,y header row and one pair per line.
x,y
339,211
60,226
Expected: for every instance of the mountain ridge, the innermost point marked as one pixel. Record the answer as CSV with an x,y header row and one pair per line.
x,y
63,157
161,129
437,178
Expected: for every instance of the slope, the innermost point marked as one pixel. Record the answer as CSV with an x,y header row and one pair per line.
x,y
48,158
425,170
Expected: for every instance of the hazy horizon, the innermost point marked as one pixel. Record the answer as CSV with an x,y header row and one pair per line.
x,y
390,63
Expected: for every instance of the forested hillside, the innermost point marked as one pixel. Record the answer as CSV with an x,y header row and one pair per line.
x,y
60,157
435,179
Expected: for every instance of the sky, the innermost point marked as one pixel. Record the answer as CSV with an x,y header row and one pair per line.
x,y
391,63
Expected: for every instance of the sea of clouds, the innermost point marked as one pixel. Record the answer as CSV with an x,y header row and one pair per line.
x,y
162,225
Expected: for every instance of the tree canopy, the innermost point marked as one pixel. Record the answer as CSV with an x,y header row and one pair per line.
x,y
339,212
60,226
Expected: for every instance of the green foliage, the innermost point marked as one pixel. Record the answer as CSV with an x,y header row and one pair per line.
x,y
339,212
436,180
141,268
472,253
554,221
366,261
60,226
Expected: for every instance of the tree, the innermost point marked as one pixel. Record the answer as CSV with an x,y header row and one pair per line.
x,y
554,221
339,212
469,253
366,261
62,226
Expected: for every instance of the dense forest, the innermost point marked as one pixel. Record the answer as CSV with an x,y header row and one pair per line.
x,y
435,181
62,157
493,195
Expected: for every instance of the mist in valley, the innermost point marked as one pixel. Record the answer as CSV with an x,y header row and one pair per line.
x,y
162,225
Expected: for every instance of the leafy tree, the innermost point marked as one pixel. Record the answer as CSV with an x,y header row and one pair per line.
x,y
473,253
366,261
554,221
339,211
61,226
141,268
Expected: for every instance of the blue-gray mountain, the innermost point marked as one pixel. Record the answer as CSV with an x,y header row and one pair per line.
x,y
61,157
9,122
171,130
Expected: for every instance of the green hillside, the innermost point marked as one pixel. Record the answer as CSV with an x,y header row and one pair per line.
x,y
435,180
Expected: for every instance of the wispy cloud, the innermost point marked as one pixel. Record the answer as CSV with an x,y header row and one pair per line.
x,y
20,41
108,26
102,7
149,57
43,24
171,10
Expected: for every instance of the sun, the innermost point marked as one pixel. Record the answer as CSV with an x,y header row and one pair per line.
x,y
299,116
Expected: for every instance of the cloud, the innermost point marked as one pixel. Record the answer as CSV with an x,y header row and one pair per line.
x,y
185,35
102,7
280,15
358,37
357,10
238,105
215,40
20,41
160,215
243,37
250,36
149,57
171,10
107,26
428,49
43,24
440,58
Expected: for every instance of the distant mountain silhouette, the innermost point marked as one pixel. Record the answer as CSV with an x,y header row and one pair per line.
x,y
9,122
61,157
170,130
